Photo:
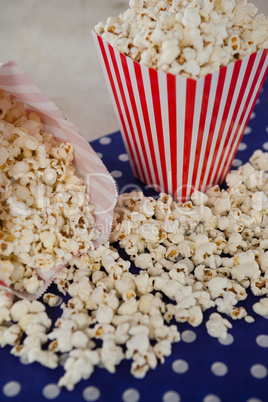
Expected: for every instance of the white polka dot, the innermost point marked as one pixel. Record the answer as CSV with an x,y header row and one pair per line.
x,y
211,398
262,340
180,366
253,116
91,393
219,369
237,162
171,396
12,388
51,391
258,371
131,395
248,130
188,336
100,155
116,173
242,146
265,146
123,157
258,101
267,129
227,341
254,400
105,140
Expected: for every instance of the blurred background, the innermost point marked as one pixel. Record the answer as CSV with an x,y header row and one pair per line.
x,y
51,40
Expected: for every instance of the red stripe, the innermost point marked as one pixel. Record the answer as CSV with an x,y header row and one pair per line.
x,y
224,153
172,108
136,116
189,121
232,88
253,86
158,123
202,122
2,283
145,113
121,89
221,81
105,59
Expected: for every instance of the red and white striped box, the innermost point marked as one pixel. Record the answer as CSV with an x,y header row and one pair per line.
x,y
181,134
100,184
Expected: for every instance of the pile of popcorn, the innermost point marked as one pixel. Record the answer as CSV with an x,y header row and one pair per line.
x,y
206,253
188,37
45,212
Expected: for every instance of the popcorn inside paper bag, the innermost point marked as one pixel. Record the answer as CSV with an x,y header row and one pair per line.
x,y
47,216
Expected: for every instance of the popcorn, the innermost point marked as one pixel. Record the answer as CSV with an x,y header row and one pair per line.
x,y
217,326
261,307
192,39
46,214
183,271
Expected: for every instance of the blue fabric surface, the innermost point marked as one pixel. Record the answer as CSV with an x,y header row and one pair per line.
x,y
198,383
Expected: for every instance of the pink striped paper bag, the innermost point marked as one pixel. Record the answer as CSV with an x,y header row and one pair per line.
x,y
100,183
181,134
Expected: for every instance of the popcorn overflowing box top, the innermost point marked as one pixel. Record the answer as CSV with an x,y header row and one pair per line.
x,y
184,77
47,215
190,38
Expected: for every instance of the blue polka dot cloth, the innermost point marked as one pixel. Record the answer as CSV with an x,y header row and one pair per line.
x,y
200,368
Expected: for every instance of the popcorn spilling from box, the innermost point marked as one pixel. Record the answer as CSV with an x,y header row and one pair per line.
x,y
206,253
47,216
190,38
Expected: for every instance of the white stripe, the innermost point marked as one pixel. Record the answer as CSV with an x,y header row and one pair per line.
x,y
139,150
57,132
237,118
21,89
47,106
212,95
141,118
223,100
121,104
230,117
162,80
180,117
149,101
231,154
224,163
109,86
197,113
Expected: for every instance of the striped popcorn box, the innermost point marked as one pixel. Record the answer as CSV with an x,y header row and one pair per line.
x,y
181,134
100,184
